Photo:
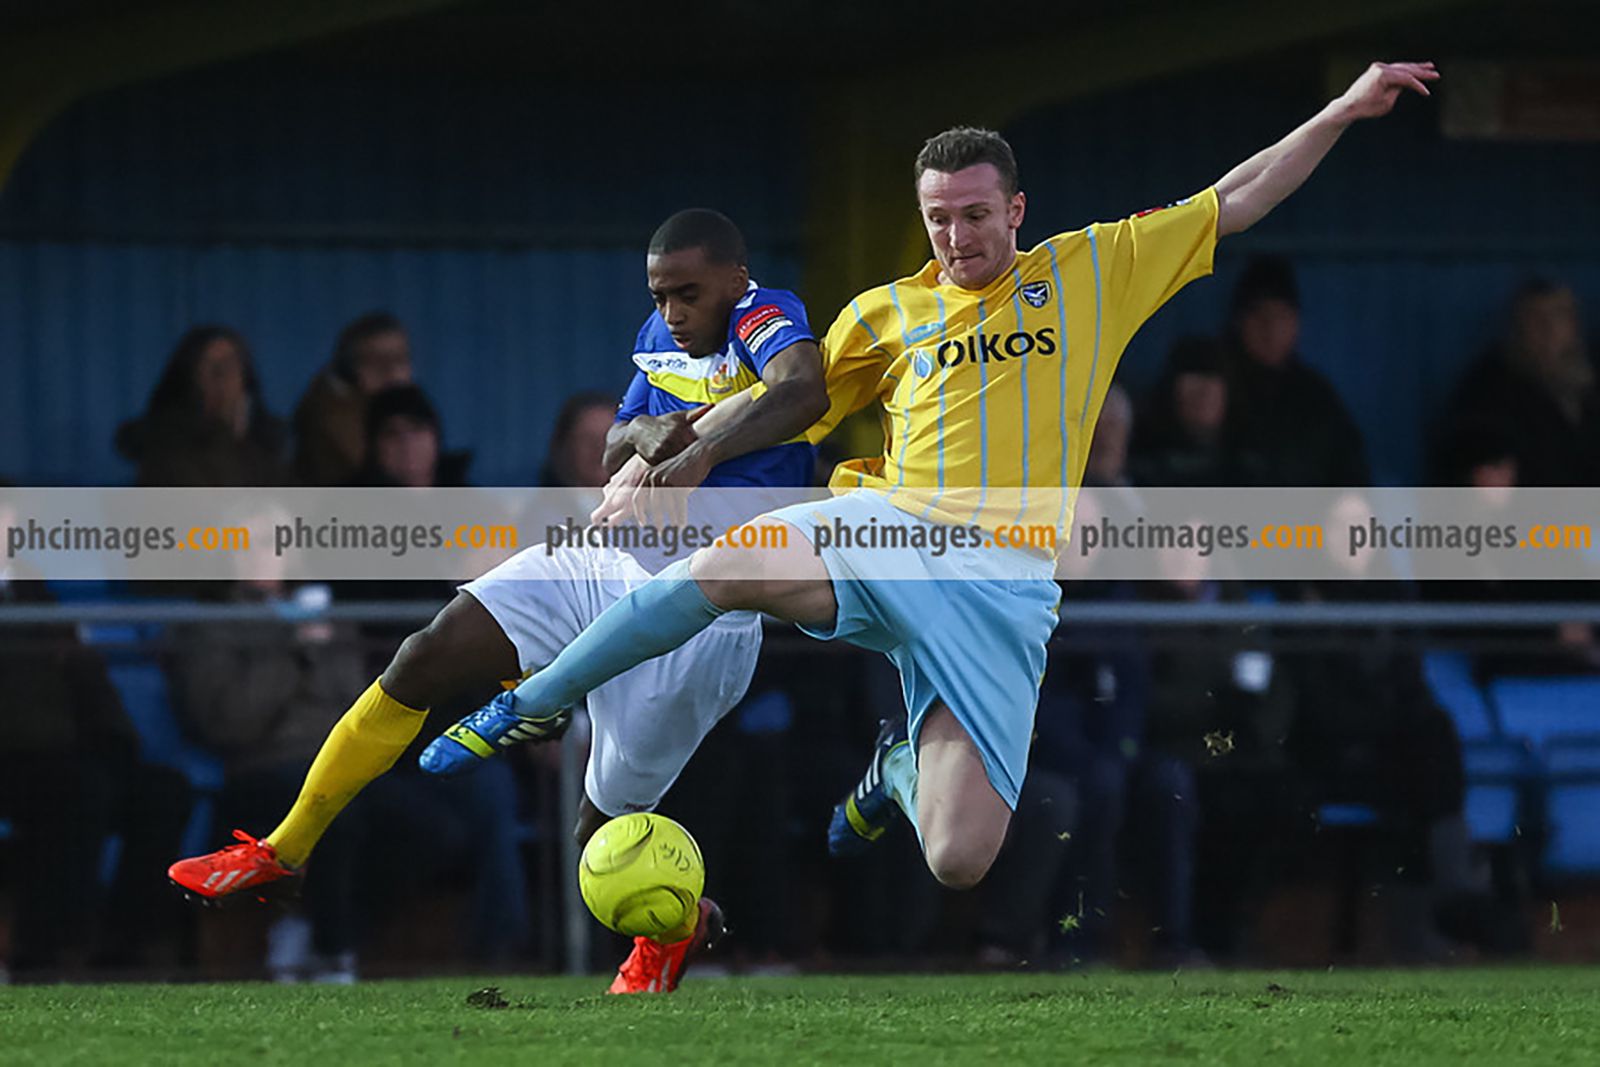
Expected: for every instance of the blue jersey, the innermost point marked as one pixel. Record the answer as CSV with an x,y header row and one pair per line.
x,y
763,323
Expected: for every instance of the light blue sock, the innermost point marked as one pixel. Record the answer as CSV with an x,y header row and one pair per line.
x,y
651,621
900,777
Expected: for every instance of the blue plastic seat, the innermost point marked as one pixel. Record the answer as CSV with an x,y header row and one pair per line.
x,y
81,590
1449,679
1539,709
1347,816
142,684
1572,806
1499,774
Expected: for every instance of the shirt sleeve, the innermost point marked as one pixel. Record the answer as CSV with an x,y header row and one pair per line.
x,y
635,401
775,321
1144,260
853,366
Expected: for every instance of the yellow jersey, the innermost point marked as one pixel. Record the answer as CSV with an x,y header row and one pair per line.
x,y
990,396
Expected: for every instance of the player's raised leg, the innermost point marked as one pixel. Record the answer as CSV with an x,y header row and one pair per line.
x,y
661,615
461,650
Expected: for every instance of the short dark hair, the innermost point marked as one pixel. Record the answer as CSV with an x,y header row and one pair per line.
x,y
967,146
1265,278
401,401
176,389
700,227
1196,354
1536,287
575,405
356,333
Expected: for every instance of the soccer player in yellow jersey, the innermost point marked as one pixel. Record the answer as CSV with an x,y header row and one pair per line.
x,y
991,365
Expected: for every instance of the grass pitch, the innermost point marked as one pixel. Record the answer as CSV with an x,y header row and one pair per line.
x,y
1499,1016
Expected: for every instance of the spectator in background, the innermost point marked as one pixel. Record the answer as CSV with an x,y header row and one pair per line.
x,y
1107,466
205,424
1279,408
1216,715
404,448
1539,385
70,776
1367,731
404,443
1484,455
575,458
372,354
1182,436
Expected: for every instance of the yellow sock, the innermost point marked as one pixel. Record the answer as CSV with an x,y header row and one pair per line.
x,y
362,745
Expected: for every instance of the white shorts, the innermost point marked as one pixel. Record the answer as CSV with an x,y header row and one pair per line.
x,y
648,721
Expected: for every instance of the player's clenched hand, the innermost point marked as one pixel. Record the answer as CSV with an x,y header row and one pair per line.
x,y
1374,93
686,470
660,437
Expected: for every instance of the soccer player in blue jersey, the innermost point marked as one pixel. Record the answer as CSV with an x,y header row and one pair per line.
x,y
714,334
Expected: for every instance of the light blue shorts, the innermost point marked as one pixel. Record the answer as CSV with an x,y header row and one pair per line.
x,y
968,627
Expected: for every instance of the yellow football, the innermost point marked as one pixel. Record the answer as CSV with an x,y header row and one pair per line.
x,y
641,875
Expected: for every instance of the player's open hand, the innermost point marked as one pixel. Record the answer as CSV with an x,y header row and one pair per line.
x,y
662,498
1375,92
616,499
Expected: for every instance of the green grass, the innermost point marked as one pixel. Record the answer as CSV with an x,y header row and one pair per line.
x,y
1499,1016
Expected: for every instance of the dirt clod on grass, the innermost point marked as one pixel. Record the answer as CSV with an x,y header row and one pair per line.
x,y
489,997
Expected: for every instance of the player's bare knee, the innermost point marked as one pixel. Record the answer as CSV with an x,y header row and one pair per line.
x,y
717,572
417,673
958,865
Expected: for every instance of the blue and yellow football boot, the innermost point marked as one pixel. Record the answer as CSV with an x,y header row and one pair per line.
x,y
491,729
862,817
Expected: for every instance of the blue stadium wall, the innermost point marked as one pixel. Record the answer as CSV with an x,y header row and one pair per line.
x,y
505,224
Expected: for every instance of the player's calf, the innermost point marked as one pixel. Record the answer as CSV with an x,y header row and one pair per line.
x,y
961,817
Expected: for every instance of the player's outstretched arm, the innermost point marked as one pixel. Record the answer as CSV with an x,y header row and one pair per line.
x,y
795,397
1247,192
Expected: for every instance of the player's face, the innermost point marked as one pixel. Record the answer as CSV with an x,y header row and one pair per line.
x,y
971,223
695,297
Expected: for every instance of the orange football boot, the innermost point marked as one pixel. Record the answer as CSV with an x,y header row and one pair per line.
x,y
656,968
250,865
